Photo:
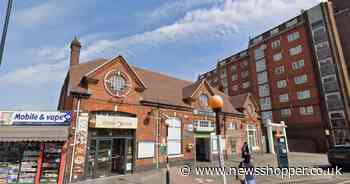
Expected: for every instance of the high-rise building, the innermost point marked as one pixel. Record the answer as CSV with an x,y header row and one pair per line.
x,y
298,73
342,16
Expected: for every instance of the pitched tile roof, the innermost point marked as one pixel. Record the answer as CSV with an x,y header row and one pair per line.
x,y
160,88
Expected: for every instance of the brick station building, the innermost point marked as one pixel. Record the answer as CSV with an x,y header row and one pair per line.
x,y
127,119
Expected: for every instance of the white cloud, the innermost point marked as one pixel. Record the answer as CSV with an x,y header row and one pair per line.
x,y
177,7
219,21
41,14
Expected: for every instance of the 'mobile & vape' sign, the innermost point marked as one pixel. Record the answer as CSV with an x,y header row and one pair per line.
x,y
41,118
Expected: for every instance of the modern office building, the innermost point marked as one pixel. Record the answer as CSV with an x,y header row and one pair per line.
x,y
298,73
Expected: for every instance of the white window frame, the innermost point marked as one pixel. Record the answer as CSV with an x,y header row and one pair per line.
x,y
283,98
265,103
262,77
307,110
235,87
296,50
173,136
279,70
301,79
281,83
264,90
293,36
301,95
277,57
275,44
298,64
260,65
246,85
284,114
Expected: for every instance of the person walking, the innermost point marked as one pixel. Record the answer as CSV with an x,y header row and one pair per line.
x,y
245,150
248,168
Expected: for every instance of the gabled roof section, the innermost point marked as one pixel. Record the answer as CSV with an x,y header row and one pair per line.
x,y
239,100
161,88
91,73
191,90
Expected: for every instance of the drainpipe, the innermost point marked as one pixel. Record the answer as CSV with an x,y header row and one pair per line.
x,y
157,138
74,141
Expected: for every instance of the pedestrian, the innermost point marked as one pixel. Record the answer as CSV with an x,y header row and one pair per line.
x,y
245,150
248,168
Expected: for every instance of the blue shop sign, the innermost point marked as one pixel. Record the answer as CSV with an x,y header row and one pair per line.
x,y
41,118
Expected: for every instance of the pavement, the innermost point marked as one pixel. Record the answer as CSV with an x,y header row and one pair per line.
x,y
177,177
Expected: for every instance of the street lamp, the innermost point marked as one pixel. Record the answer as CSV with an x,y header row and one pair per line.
x,y
216,103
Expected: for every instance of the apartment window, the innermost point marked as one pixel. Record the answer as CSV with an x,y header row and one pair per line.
x,y
244,64
235,87
286,112
245,74
266,115
284,98
330,83
223,74
295,50
300,79
279,70
334,101
262,77
302,95
291,23
233,68
323,51
298,64
327,67
259,53
275,44
265,103
234,77
308,110
277,57
274,31
242,54
320,35
337,119
293,36
261,65
281,84
264,90
246,85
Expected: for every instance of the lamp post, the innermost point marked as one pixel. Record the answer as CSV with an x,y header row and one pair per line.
x,y
167,174
216,103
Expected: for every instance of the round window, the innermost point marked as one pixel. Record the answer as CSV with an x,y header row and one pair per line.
x,y
117,84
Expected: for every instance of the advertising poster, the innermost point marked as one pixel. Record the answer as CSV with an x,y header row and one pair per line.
x,y
82,131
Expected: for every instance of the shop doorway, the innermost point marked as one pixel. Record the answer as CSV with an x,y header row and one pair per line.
x,y
203,149
109,156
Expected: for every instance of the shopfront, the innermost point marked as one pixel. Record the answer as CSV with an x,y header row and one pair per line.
x,y
111,143
32,146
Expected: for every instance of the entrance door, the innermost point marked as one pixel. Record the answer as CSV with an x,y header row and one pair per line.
x,y
202,149
119,156
104,153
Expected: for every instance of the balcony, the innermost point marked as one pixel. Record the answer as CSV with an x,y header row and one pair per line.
x,y
327,69
331,87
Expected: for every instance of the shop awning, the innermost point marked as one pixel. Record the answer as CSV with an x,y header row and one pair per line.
x,y
33,133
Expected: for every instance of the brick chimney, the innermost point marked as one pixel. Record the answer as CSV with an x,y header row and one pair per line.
x,y
74,52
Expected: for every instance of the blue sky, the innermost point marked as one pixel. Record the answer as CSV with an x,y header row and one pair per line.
x,y
182,38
